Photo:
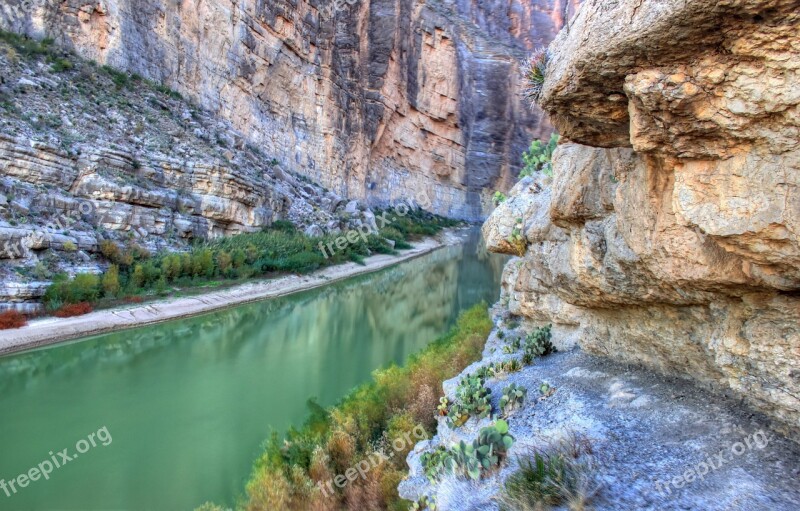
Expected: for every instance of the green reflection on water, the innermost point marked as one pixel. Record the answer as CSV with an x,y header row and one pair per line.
x,y
188,403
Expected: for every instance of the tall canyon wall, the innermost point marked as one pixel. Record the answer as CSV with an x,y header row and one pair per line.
x,y
670,232
374,99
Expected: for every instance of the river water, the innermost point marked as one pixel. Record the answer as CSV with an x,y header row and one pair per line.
x,y
172,415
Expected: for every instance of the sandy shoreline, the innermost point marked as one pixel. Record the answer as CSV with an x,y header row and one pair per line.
x,y
42,332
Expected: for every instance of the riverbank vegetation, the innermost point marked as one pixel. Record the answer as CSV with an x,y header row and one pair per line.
x,y
281,248
293,472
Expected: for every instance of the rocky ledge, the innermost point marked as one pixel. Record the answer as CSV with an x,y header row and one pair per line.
x,y
649,442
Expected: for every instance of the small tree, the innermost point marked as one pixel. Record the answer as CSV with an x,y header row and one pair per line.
x,y
238,258
85,287
224,261
203,263
137,278
110,281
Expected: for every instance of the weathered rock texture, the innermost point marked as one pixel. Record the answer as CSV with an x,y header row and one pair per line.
x,y
669,233
374,100
83,159
644,429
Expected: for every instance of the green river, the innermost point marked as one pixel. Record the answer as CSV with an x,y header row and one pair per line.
x,y
177,412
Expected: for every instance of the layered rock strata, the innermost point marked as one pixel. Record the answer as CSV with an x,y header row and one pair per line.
x,y
669,232
374,99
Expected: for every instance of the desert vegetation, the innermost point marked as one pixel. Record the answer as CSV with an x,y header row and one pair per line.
x,y
280,248
399,399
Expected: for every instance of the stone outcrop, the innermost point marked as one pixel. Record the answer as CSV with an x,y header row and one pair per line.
x,y
373,99
668,234
643,431
84,158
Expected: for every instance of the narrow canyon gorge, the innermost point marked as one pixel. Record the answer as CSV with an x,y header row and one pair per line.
x,y
347,217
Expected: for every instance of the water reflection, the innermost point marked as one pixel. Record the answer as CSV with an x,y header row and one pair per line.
x,y
188,402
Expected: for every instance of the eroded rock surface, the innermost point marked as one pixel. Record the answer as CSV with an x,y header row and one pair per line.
x,y
646,432
85,159
374,99
669,232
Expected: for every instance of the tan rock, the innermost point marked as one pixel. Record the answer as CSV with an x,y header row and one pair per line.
x,y
683,252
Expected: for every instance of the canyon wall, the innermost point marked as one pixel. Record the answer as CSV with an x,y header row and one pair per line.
x,y
669,233
374,99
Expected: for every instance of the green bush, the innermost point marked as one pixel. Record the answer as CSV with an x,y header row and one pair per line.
x,y
278,248
539,156
84,287
110,281
203,263
560,476
283,226
120,78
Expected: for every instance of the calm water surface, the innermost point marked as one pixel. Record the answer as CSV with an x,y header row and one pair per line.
x,y
188,403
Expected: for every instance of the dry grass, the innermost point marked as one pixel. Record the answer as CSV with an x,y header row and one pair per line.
x,y
12,319
561,476
73,309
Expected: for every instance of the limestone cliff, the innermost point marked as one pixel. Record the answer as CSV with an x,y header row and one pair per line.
x,y
669,233
374,99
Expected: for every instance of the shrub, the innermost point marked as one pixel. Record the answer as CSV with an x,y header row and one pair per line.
x,y
112,251
70,246
110,281
172,267
203,263
283,226
120,78
511,366
41,271
238,258
73,309
137,278
85,287
332,441
498,198
12,319
61,65
224,262
539,157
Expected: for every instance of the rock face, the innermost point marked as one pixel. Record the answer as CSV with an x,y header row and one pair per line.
x,y
85,158
373,99
645,430
669,232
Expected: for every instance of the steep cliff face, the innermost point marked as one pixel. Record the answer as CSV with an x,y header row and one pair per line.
x,y
669,232
374,99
